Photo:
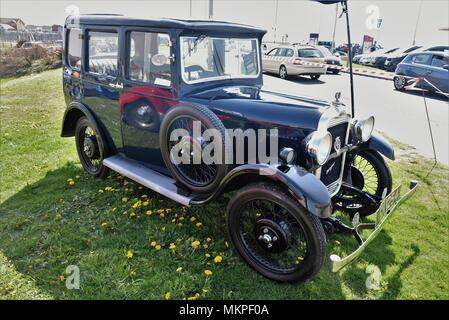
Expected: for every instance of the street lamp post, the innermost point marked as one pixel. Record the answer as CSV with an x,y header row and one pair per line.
x,y
417,23
211,9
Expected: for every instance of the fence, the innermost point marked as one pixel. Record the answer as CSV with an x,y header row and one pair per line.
x,y
13,36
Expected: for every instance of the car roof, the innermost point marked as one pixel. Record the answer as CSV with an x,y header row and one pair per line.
x,y
192,25
438,53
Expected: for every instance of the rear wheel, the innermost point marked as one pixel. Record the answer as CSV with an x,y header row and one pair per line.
x,y
283,72
274,234
399,83
315,76
90,147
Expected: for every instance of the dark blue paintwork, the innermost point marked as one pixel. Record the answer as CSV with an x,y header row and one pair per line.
x,y
239,103
432,66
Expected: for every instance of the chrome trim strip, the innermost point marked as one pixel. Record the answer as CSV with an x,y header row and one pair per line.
x,y
149,178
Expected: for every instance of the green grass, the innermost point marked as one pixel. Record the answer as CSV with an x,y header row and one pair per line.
x,y
46,225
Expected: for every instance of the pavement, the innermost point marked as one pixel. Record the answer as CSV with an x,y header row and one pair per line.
x,y
400,115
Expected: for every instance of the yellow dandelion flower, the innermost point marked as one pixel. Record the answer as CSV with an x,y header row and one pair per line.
x,y
179,269
132,215
205,290
160,211
161,215
144,196
205,246
100,191
77,177
226,244
195,244
181,218
71,183
124,199
153,243
104,225
167,296
168,210
207,255
158,247
69,179
108,188
172,246
145,203
149,213
130,254
337,242
208,273
192,219
208,239
195,297
113,209
199,224
61,277
218,259
173,220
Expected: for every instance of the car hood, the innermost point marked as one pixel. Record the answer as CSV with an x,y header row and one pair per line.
x,y
266,108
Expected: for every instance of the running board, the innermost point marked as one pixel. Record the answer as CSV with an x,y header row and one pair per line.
x,y
151,179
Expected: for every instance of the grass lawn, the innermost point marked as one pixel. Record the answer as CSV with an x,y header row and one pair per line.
x,y
47,224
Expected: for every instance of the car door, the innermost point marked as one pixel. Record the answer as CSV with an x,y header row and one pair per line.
x,y
102,79
419,68
147,95
439,76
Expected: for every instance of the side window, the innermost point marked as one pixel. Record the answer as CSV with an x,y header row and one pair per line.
x,y
74,48
103,53
148,58
273,52
438,61
281,52
289,53
422,59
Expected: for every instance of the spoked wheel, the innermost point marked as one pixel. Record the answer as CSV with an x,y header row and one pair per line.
x,y
283,72
274,234
369,173
182,153
200,174
90,148
399,83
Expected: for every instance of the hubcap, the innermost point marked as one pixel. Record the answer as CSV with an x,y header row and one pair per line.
x,y
272,236
90,147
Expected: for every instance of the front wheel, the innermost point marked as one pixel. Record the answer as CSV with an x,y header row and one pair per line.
x,y
274,234
369,173
399,83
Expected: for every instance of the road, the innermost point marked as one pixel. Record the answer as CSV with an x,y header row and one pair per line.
x,y
400,115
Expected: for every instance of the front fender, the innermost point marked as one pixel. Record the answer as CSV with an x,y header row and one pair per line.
x,y
302,185
381,145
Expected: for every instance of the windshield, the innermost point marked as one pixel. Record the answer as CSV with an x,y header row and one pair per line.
x,y
310,53
326,51
206,58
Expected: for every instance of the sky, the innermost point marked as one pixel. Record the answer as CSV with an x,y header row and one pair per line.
x,y
297,18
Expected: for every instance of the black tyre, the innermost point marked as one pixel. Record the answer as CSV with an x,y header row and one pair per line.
x,y
335,71
399,83
283,74
315,76
275,235
90,146
371,174
201,177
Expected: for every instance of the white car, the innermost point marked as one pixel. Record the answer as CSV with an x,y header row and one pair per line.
x,y
295,60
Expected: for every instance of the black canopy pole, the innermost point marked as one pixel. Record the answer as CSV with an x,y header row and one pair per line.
x,y
351,76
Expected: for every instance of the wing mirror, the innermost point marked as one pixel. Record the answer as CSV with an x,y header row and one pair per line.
x,y
446,67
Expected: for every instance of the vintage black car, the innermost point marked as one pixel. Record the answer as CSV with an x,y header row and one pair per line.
x,y
129,84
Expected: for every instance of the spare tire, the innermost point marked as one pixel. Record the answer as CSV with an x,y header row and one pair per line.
x,y
198,176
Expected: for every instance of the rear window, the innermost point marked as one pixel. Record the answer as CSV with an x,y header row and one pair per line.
x,y
439,61
103,53
74,47
310,53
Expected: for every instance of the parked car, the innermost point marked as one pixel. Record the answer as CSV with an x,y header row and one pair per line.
x,y
295,60
438,48
31,44
332,62
167,94
379,61
395,58
424,70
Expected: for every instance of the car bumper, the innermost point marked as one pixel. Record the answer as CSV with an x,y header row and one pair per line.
x,y
296,70
383,214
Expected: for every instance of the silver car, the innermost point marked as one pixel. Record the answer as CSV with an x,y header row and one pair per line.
x,y
294,61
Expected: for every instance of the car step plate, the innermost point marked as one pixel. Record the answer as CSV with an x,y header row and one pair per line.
x,y
151,179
